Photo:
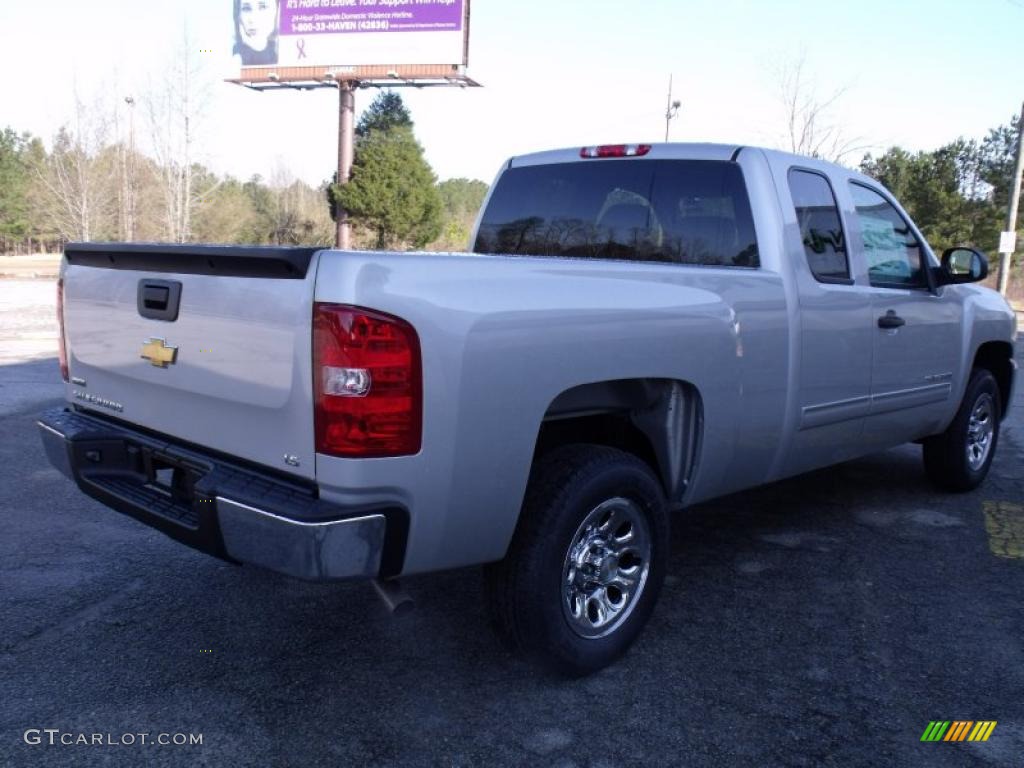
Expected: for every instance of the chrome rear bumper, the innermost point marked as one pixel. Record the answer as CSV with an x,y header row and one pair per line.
x,y
336,549
214,506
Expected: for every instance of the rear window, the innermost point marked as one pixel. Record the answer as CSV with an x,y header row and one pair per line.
x,y
679,211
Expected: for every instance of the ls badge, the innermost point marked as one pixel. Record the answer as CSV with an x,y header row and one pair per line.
x,y
159,353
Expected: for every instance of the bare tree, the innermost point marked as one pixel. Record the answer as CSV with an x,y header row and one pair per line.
x,y
297,213
175,107
810,126
72,176
284,210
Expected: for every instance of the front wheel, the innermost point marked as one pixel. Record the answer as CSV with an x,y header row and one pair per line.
x,y
587,560
959,459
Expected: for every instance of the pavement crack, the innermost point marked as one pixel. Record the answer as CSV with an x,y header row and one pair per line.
x,y
77,619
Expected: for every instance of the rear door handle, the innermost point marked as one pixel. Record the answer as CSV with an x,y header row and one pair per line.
x,y
159,299
155,297
891,320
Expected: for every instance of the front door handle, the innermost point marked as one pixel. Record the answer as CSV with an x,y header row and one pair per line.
x,y
891,320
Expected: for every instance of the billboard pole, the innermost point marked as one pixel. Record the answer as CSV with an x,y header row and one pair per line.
x,y
346,149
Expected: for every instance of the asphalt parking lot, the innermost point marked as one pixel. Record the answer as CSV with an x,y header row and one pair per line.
x,y
820,621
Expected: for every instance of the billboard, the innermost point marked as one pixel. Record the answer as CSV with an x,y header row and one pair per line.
x,y
302,39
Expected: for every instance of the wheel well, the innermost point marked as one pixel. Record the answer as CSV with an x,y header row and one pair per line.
x,y
657,420
995,356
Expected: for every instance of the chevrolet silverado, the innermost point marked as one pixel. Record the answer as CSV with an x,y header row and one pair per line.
x,y
639,328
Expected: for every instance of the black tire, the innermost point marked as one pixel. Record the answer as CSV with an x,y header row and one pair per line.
x,y
525,591
946,460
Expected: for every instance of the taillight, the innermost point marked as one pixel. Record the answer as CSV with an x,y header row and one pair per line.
x,y
367,383
62,350
616,150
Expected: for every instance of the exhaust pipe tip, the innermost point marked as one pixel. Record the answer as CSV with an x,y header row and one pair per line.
x,y
395,598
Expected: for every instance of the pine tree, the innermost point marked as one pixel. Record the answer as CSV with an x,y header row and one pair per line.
x,y
385,112
15,178
392,190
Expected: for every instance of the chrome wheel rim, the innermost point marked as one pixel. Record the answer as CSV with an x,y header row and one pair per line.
x,y
980,429
606,568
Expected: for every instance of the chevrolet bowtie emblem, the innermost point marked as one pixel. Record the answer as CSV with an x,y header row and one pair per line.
x,y
158,353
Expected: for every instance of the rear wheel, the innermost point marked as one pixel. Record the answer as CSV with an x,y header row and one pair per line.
x,y
959,459
587,560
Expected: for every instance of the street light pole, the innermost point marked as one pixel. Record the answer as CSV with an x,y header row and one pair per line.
x,y
1006,249
671,107
129,187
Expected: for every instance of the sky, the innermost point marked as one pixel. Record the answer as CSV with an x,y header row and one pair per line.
x,y
554,73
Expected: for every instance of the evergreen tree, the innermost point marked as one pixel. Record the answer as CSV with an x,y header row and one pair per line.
x,y
998,161
385,112
461,199
15,178
391,190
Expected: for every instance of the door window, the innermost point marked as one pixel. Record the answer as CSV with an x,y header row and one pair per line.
x,y
895,256
820,227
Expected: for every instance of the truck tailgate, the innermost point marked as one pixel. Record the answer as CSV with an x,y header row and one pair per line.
x,y
231,372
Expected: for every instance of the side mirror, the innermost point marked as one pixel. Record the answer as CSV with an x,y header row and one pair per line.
x,y
963,265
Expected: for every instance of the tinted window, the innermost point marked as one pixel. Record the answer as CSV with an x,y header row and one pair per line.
x,y
893,252
820,228
682,211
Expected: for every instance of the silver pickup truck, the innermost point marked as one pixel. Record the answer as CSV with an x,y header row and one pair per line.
x,y
639,328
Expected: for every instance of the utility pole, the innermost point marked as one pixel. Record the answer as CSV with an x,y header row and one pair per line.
x,y
671,107
346,150
1007,241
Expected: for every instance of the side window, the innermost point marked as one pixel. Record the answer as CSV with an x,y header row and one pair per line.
x,y
820,227
893,253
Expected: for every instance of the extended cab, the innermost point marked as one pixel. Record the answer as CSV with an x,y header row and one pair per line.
x,y
640,328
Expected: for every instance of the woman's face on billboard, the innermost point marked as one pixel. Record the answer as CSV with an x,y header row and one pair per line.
x,y
257,21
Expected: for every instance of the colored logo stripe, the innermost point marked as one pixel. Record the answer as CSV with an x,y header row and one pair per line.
x,y
982,730
958,730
